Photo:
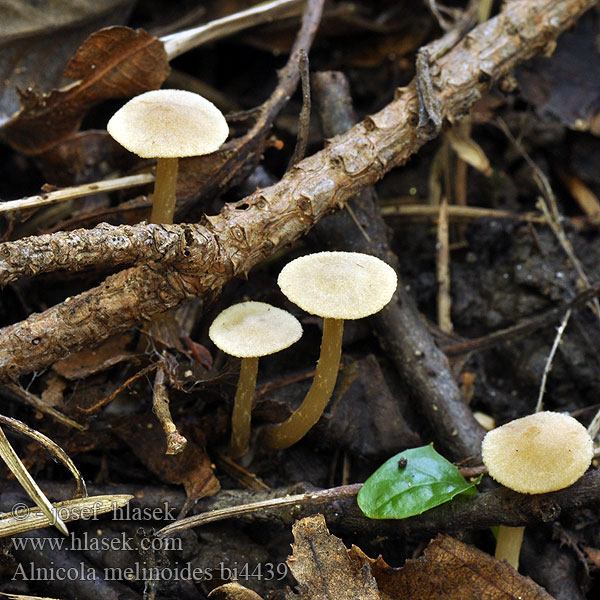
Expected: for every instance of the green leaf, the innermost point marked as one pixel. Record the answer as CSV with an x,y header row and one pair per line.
x,y
411,483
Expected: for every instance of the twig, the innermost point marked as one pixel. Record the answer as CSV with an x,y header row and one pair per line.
x,y
236,240
465,513
549,207
304,118
526,327
178,43
176,443
548,366
399,327
32,400
455,212
444,301
78,191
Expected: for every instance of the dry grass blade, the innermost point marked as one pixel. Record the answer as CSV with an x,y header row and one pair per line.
x,y
55,450
26,597
28,482
69,510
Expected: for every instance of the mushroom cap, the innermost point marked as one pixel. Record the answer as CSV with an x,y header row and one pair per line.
x,y
540,453
338,285
252,329
169,124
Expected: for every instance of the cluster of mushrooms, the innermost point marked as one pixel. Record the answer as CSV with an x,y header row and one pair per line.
x,y
333,285
540,453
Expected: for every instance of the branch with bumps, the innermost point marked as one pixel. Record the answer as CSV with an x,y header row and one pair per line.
x,y
248,231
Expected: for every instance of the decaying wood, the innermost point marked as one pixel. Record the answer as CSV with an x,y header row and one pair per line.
x,y
467,513
399,326
248,231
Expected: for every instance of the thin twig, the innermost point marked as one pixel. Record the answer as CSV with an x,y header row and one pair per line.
x,y
304,117
78,191
548,366
176,443
178,43
444,301
455,212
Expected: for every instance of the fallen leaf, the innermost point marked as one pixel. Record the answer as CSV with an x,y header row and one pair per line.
x,y
115,62
566,86
94,360
451,570
192,467
233,591
323,568
38,38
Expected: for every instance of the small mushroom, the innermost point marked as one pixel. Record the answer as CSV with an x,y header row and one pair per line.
x,y
250,330
540,453
335,286
167,125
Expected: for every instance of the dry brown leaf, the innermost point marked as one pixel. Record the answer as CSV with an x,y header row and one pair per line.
x,y
566,86
94,360
192,467
452,570
38,38
233,591
322,567
115,62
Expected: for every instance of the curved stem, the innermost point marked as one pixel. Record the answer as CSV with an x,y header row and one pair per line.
x,y
163,205
284,435
242,408
508,544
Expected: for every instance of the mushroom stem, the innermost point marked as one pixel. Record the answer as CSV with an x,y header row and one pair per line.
x,y
508,544
242,408
163,206
284,435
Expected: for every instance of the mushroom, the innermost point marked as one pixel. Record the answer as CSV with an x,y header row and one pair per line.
x,y
250,330
335,286
540,453
167,125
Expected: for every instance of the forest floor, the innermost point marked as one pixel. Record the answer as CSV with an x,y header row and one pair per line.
x,y
472,171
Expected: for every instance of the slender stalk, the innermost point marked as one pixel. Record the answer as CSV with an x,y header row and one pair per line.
x,y
284,435
163,207
508,545
242,408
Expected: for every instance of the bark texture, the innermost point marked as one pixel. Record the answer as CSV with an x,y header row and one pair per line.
x,y
248,231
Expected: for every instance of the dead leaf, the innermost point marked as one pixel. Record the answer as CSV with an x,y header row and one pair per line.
x,y
452,570
566,86
38,38
115,62
233,591
94,360
322,567
192,467
469,150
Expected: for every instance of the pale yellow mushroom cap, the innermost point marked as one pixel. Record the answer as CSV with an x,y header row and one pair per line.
x,y
252,329
169,124
338,285
540,453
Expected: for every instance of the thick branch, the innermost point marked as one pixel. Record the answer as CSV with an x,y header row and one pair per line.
x,y
105,245
248,231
